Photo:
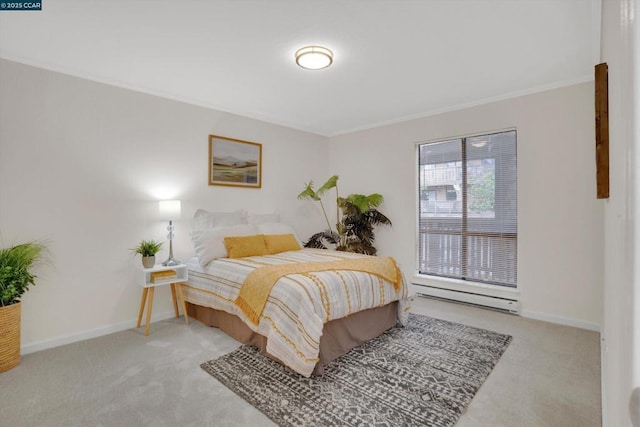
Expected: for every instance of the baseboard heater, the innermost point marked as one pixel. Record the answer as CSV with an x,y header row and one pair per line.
x,y
498,303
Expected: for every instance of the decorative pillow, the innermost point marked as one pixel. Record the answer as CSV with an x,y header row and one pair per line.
x,y
262,218
277,243
209,243
242,246
276,228
204,219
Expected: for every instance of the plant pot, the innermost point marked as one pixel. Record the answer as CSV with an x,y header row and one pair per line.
x,y
148,261
10,336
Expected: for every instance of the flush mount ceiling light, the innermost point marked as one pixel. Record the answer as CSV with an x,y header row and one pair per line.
x,y
314,57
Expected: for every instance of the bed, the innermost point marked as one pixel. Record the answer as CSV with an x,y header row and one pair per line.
x,y
319,305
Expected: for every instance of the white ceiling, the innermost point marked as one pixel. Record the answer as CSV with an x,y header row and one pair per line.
x,y
393,60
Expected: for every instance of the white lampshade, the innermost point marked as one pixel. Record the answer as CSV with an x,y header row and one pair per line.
x,y
314,57
169,210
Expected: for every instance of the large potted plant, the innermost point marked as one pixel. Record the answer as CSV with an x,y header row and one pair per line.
x,y
148,250
356,218
15,278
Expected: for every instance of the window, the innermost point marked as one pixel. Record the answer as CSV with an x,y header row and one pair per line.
x,y
467,213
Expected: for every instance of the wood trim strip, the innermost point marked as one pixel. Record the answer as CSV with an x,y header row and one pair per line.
x,y
602,130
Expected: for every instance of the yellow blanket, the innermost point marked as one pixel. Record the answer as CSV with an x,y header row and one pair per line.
x,y
257,286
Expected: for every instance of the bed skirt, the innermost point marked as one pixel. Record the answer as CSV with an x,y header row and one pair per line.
x,y
338,337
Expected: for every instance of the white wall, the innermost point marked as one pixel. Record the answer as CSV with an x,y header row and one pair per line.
x,y
84,164
560,236
621,352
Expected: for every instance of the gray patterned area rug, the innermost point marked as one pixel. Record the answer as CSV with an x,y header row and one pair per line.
x,y
424,374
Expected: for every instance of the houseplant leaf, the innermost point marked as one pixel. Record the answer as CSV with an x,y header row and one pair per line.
x,y
308,192
15,270
331,183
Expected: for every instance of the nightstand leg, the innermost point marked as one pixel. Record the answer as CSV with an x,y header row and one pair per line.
x,y
175,301
182,303
149,309
144,299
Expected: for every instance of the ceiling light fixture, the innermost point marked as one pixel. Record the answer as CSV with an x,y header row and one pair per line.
x,y
314,57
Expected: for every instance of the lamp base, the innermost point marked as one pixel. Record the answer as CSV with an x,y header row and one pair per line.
x,y
171,262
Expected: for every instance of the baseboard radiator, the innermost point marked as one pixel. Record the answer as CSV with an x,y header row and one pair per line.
x,y
497,303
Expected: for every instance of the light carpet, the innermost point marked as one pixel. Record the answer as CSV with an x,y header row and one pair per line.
x,y
424,374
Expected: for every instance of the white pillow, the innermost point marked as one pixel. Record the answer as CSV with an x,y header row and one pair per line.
x,y
204,219
277,228
209,243
262,218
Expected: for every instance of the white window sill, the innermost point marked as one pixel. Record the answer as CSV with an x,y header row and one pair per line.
x,y
465,286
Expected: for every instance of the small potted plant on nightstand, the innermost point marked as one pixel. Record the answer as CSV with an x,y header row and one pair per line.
x,y
15,279
148,250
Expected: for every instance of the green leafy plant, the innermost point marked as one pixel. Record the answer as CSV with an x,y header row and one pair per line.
x,y
482,192
15,270
310,193
148,248
356,219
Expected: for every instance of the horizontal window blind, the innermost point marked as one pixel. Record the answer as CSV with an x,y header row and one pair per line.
x,y
467,213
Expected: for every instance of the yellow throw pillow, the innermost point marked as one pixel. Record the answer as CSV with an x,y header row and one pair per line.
x,y
242,246
277,243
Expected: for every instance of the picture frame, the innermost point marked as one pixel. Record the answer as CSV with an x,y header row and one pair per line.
x,y
234,162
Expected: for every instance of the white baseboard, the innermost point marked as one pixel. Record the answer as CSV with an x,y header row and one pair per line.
x,y
130,324
91,333
567,321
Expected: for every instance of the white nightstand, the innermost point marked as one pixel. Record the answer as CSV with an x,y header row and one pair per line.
x,y
144,280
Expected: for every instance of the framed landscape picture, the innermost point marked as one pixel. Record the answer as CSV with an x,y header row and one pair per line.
x,y
234,162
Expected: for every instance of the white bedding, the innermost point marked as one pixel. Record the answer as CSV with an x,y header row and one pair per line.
x,y
299,304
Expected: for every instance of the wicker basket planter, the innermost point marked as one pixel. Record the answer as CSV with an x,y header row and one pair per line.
x,y
10,336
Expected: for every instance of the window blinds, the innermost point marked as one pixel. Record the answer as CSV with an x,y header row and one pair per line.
x,y
467,211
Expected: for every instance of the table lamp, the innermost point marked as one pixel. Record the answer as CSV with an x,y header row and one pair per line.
x,y
169,211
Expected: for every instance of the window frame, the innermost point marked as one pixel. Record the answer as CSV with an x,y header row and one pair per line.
x,y
455,283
